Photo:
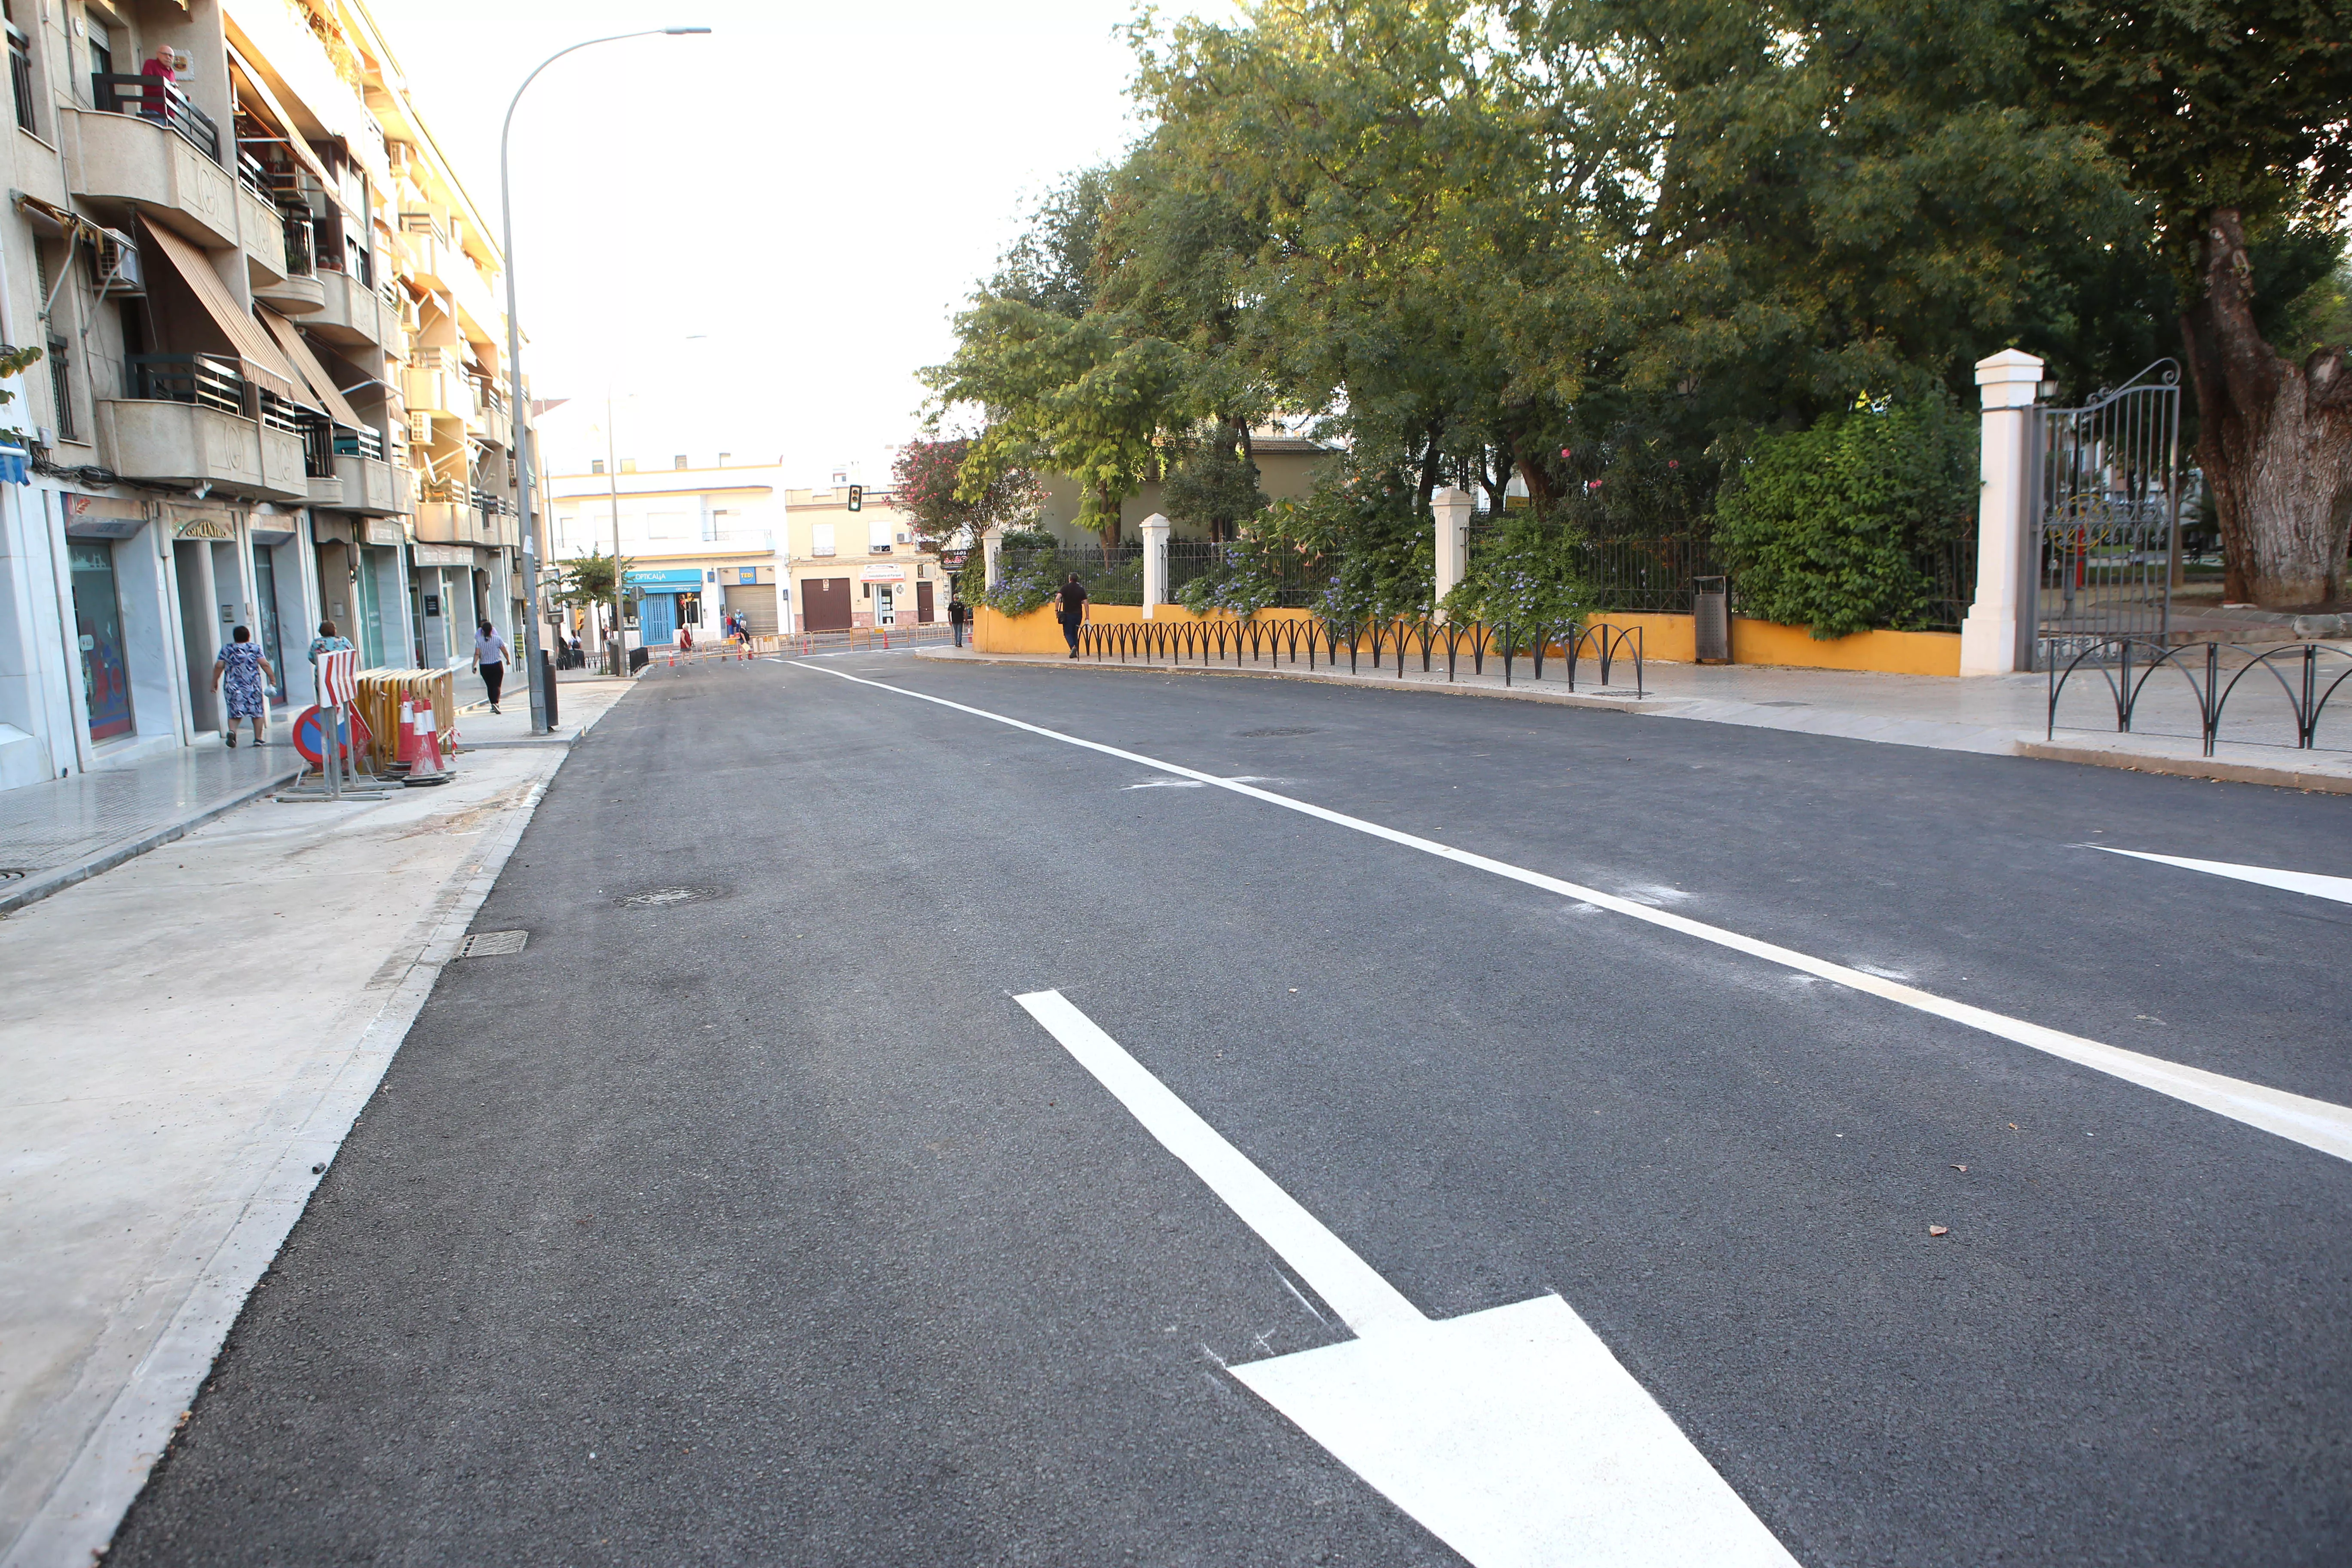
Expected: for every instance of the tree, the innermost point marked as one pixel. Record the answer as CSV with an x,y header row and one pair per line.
x,y
926,483
2232,121
588,581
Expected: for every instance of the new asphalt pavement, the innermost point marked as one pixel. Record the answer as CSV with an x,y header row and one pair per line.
x,y
747,1216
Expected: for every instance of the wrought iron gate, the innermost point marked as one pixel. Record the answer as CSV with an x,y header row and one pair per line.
x,y
2108,479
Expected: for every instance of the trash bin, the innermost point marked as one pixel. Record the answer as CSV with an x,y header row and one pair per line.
x,y
1711,619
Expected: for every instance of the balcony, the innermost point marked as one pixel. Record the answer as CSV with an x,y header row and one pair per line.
x,y
129,158
349,312
432,385
369,484
486,415
165,103
430,260
299,292
265,240
447,513
187,423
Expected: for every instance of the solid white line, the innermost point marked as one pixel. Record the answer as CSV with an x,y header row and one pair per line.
x,y
2336,888
1514,1434
2314,1123
1365,1302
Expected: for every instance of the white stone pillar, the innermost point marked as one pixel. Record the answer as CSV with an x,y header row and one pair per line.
x,y
1995,636
1155,562
1452,507
991,543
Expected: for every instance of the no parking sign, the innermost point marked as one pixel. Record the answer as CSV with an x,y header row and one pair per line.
x,y
310,733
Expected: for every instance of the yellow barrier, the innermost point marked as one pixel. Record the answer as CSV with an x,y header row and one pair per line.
x,y
1667,639
379,699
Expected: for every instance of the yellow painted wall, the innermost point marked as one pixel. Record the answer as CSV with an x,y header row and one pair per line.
x,y
1667,639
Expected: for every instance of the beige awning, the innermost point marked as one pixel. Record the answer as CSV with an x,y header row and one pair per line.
x,y
259,86
307,365
263,362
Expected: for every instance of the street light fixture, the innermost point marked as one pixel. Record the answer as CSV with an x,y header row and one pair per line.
x,y
531,656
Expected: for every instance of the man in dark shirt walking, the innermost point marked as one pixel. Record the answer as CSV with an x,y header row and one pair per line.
x,y
1073,611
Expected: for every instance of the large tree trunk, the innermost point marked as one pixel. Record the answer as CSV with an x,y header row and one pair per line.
x,y
2275,438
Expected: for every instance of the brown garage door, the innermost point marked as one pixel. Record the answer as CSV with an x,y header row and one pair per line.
x,y
756,605
824,603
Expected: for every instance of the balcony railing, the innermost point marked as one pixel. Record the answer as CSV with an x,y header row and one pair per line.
x,y
278,413
20,76
442,493
208,380
153,98
319,441
364,442
299,262
437,359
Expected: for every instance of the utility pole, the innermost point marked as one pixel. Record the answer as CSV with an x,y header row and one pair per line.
x,y
613,484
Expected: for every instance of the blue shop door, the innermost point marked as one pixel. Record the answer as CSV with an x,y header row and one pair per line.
x,y
657,619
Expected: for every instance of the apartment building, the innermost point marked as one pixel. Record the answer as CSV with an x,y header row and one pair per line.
x,y
698,531
269,389
856,568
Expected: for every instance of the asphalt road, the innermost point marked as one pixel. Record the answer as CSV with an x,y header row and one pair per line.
x,y
764,1225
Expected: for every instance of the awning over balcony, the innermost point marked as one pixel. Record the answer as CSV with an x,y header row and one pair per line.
x,y
264,364
252,82
307,365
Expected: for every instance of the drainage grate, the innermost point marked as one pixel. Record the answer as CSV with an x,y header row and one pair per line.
x,y
668,897
8,874
1289,730
492,943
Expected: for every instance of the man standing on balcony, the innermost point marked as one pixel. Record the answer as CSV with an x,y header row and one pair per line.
x,y
490,658
154,97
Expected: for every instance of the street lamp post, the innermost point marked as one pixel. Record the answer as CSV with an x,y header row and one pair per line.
x,y
532,655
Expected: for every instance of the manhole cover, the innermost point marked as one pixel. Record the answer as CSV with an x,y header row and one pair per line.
x,y
668,898
1286,730
492,943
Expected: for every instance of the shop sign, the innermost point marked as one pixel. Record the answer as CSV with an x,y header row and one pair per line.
x,y
385,531
213,527
882,574
444,555
679,580
745,575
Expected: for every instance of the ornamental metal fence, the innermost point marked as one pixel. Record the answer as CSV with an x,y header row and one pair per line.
x,y
1111,575
1250,642
2306,673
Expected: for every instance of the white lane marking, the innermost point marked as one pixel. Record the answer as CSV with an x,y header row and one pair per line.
x,y
2315,1124
1513,1434
2336,888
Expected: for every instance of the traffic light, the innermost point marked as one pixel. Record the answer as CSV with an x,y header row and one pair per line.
x,y
857,497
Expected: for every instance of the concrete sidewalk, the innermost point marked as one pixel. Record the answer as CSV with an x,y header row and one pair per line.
x,y
205,1027
2001,715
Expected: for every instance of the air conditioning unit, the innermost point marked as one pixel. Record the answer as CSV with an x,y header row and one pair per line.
x,y
116,258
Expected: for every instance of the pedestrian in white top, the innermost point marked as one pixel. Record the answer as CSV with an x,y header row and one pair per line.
x,y
490,658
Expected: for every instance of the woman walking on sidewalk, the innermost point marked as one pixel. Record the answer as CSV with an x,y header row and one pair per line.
x,y
249,680
490,658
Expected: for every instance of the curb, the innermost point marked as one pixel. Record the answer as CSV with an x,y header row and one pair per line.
x,y
1663,707
35,889
2187,767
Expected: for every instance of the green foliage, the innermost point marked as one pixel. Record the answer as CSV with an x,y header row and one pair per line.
x,y
1360,518
927,484
1028,582
1244,580
588,579
1521,576
1213,487
15,362
1825,527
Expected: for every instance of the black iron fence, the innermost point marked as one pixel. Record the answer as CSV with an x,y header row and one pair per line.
x,y
1111,575
1321,641
2306,673
318,446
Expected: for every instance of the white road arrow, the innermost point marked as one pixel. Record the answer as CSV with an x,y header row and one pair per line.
x,y
1513,1434
2336,888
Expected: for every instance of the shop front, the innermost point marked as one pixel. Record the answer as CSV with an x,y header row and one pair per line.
x,y
125,655
668,597
443,602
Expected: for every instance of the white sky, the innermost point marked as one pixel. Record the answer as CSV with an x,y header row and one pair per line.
x,y
814,188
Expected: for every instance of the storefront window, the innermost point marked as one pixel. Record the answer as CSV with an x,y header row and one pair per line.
x,y
265,590
97,617
371,610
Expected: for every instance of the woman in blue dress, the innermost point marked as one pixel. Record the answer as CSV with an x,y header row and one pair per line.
x,y
248,678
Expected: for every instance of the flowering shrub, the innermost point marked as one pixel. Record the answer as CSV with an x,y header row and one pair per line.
x,y
1240,582
1027,585
1523,578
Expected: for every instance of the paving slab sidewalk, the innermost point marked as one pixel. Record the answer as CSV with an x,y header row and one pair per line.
x,y
1999,715
198,1031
